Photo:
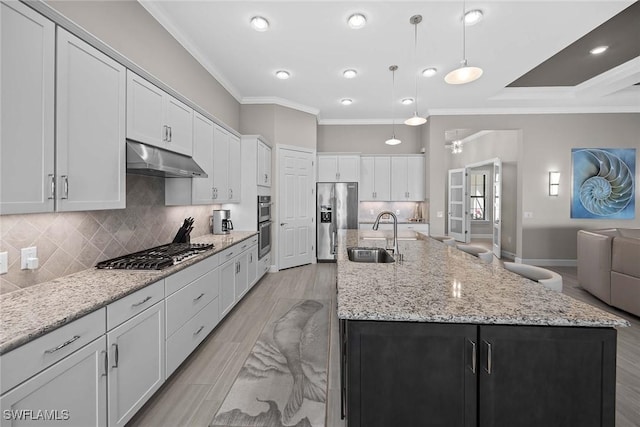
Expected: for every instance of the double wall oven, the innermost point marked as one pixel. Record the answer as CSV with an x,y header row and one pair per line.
x,y
264,225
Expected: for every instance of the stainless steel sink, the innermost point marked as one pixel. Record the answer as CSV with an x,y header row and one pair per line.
x,y
376,255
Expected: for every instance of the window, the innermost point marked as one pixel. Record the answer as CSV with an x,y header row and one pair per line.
x,y
478,196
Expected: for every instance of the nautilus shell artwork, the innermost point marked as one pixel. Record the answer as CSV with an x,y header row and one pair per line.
x,y
603,183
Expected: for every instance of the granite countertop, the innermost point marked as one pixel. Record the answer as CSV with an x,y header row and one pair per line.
x,y
32,312
438,283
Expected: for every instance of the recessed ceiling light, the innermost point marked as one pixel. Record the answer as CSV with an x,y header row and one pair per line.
x,y
472,17
598,50
356,21
259,23
429,72
407,101
346,101
282,74
349,74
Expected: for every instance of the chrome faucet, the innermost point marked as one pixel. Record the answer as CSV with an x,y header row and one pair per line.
x,y
396,252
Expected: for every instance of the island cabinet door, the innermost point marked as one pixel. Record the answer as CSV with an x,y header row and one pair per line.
x,y
410,374
547,376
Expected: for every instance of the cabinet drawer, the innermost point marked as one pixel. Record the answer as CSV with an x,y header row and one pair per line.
x,y
253,241
189,274
187,338
127,307
31,358
184,304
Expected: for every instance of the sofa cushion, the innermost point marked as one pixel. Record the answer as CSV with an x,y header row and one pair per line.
x,y
625,256
594,263
630,232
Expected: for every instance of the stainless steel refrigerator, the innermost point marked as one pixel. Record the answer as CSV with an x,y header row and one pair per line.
x,y
337,209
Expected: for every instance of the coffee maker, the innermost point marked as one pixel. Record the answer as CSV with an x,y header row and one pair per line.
x,y
221,221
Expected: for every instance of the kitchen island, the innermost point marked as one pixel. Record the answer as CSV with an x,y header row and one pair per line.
x,y
442,339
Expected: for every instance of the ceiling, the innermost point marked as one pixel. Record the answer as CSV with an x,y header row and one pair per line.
x,y
312,41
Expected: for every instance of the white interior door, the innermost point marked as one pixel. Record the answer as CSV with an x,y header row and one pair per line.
x,y
295,208
497,200
457,220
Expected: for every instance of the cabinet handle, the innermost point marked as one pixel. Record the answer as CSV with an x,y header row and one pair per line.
x,y
164,133
116,356
198,297
170,134
65,186
229,254
282,224
215,192
229,192
106,363
141,302
199,330
489,361
265,178
52,190
251,257
473,356
63,345
244,246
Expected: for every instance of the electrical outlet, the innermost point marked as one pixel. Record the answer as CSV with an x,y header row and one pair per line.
x,y
4,262
397,211
26,254
439,214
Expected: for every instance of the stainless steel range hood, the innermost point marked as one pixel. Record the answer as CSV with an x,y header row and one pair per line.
x,y
143,159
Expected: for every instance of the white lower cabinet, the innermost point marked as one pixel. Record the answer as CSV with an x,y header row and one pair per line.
x,y
263,266
235,278
136,363
252,266
72,392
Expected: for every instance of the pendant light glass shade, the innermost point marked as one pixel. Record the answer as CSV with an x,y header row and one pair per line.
x,y
464,73
393,140
415,120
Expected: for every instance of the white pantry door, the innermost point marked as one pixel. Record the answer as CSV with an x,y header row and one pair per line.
x,y
457,223
295,211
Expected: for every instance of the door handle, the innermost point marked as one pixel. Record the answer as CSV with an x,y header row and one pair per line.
x,y
53,186
116,356
489,357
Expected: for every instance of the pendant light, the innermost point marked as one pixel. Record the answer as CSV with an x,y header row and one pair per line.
x,y
464,73
393,140
415,120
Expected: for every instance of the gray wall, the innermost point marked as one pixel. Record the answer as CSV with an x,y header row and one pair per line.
x,y
368,139
128,28
546,142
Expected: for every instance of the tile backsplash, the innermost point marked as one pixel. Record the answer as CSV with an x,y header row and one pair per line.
x,y
368,211
69,242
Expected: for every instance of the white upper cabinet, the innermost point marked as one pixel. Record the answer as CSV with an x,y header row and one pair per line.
x,y
157,118
27,88
264,165
338,168
90,127
375,178
407,178
226,166
202,188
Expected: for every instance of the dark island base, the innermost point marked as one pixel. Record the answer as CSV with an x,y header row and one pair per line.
x,y
432,374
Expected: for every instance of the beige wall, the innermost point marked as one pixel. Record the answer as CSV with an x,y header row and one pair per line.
x,y
368,139
546,142
258,119
295,127
128,28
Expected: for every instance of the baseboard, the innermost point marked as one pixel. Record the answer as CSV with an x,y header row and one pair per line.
x,y
548,262
507,255
273,269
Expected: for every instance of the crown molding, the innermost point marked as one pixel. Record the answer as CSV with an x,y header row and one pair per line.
x,y
187,43
534,110
248,100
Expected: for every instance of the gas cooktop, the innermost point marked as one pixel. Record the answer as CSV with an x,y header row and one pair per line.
x,y
156,258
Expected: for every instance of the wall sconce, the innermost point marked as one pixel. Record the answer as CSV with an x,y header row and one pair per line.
x,y
554,183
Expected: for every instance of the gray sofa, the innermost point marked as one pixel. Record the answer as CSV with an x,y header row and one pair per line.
x,y
609,266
